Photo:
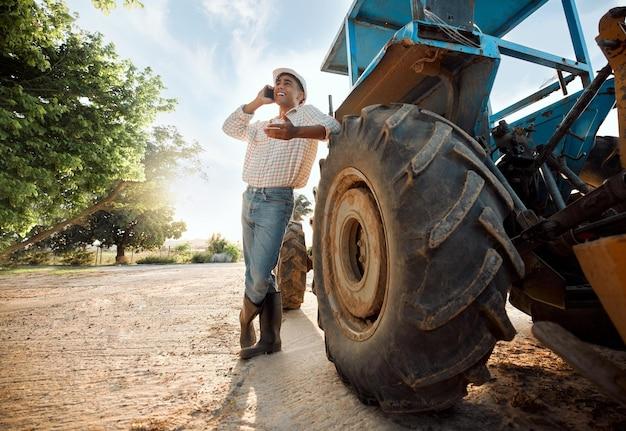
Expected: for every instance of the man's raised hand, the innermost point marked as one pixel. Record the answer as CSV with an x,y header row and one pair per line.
x,y
258,101
284,131
261,97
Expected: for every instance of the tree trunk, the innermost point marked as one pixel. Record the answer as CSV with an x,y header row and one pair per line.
x,y
101,204
120,259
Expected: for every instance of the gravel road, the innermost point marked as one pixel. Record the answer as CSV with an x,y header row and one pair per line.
x,y
155,348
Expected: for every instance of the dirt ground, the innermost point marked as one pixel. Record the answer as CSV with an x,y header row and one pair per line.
x,y
155,348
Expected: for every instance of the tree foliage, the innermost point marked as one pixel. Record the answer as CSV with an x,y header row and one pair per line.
x,y
301,207
77,257
108,5
218,244
142,218
32,256
183,252
73,116
141,230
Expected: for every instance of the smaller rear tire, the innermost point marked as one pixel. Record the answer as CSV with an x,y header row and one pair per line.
x,y
292,267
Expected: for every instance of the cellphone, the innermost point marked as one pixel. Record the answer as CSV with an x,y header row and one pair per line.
x,y
269,92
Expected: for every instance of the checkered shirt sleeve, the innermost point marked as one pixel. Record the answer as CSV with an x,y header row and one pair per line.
x,y
273,162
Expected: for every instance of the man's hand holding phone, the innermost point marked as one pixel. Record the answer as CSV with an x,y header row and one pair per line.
x,y
269,92
265,97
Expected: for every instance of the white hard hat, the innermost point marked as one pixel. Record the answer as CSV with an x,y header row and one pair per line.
x,y
299,77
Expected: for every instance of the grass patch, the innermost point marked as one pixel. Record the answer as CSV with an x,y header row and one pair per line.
x,y
47,269
156,260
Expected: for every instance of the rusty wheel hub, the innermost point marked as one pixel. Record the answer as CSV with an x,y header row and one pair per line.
x,y
356,254
358,239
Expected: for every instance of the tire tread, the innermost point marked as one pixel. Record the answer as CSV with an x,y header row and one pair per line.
x,y
413,146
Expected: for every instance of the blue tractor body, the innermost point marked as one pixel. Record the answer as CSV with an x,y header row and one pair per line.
x,y
386,48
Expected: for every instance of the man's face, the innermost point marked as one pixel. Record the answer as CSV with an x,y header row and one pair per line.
x,y
287,91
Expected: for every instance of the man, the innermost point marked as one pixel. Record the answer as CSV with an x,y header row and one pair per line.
x,y
278,159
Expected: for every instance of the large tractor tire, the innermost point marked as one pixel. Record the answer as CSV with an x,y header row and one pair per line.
x,y
292,267
412,263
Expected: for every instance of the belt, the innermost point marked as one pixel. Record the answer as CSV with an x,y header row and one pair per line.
x,y
264,189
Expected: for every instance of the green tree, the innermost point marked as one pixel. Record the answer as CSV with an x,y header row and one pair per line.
x,y
184,248
301,207
141,218
73,118
145,230
108,5
183,252
233,251
217,244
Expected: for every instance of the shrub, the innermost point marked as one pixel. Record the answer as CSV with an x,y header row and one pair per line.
x,y
182,252
221,258
217,244
182,248
77,257
32,256
232,251
156,260
201,257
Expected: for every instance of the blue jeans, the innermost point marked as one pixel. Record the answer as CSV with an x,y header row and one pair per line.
x,y
265,213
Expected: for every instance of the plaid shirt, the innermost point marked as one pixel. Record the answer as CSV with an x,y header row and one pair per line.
x,y
274,162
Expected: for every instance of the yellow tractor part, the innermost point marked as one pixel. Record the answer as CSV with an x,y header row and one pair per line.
x,y
604,260
612,42
604,264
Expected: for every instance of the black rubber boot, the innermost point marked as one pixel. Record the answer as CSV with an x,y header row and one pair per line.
x,y
249,310
270,320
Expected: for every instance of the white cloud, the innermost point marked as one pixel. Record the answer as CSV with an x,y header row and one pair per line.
x,y
245,11
149,21
246,19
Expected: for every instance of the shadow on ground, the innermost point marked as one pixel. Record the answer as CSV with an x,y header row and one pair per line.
x,y
531,388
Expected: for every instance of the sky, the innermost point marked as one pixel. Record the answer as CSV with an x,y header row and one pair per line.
x,y
215,55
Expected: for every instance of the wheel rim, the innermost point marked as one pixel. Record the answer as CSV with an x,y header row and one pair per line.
x,y
355,254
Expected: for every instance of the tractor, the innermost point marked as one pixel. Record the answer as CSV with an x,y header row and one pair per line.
x,y
432,211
